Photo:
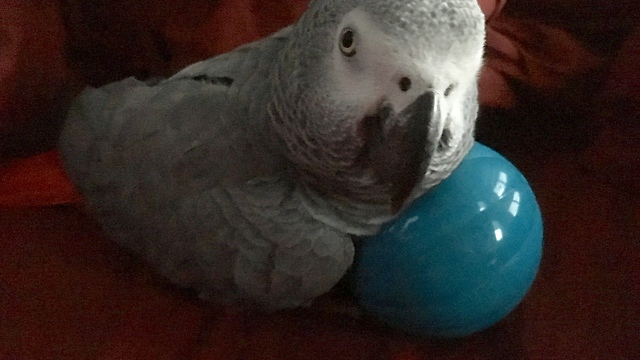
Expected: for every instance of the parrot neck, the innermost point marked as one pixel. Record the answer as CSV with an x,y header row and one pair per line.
x,y
355,218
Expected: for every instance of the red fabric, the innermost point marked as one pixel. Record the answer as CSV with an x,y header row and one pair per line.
x,y
615,155
35,80
39,180
65,292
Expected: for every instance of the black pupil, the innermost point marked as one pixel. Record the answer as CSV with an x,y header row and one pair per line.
x,y
347,39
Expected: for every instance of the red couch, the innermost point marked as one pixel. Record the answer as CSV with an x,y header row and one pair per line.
x,y
560,96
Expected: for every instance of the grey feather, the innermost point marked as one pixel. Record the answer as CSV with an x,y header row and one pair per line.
x,y
245,176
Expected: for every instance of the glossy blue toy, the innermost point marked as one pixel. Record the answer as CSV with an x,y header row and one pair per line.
x,y
460,258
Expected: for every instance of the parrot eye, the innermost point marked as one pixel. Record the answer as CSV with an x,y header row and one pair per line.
x,y
347,42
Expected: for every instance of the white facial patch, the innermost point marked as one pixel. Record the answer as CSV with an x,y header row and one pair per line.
x,y
363,81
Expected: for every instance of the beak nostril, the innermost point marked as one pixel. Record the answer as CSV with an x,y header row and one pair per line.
x,y
448,91
405,84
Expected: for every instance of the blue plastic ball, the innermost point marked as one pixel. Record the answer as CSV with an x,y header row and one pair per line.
x,y
460,258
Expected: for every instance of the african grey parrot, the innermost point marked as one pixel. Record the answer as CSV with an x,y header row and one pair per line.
x,y
248,176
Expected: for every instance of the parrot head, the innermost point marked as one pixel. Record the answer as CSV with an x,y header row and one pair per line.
x,y
370,93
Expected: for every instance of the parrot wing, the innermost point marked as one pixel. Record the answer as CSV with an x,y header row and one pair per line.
x,y
181,171
210,108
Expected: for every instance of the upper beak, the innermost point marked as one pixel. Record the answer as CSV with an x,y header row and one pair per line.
x,y
403,144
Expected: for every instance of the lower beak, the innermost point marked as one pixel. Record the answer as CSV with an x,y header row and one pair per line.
x,y
404,145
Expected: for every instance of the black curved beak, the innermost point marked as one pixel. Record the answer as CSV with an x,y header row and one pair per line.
x,y
401,147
